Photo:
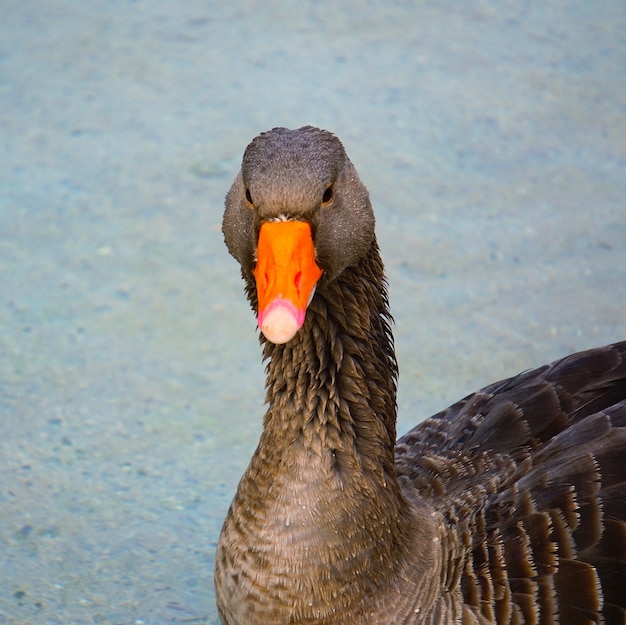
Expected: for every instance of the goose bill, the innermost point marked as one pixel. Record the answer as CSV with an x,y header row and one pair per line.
x,y
286,274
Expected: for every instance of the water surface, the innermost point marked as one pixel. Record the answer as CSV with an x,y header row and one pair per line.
x,y
492,136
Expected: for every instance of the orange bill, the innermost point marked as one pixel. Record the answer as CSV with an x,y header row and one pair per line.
x,y
286,274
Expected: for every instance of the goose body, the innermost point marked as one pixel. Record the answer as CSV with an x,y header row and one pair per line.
x,y
509,507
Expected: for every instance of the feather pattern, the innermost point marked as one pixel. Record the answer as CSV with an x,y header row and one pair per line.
x,y
509,507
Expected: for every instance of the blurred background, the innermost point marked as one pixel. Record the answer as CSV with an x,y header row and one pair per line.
x,y
492,137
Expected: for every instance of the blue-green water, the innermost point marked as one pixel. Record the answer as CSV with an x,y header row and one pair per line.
x,y
492,136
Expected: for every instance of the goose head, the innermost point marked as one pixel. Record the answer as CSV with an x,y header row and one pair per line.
x,y
297,215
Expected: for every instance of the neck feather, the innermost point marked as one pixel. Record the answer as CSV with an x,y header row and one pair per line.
x,y
320,507
334,384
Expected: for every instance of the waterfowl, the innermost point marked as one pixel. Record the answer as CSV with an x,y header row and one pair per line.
x,y
508,507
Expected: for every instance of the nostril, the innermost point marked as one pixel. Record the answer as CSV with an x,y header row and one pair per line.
x,y
297,280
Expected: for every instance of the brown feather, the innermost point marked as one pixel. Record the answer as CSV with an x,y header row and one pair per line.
x,y
507,508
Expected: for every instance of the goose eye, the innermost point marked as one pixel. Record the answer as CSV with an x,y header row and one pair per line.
x,y
249,197
328,194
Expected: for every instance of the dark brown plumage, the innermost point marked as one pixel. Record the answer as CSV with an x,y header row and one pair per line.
x,y
509,507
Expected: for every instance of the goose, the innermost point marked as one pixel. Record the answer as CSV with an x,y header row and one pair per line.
x,y
509,507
